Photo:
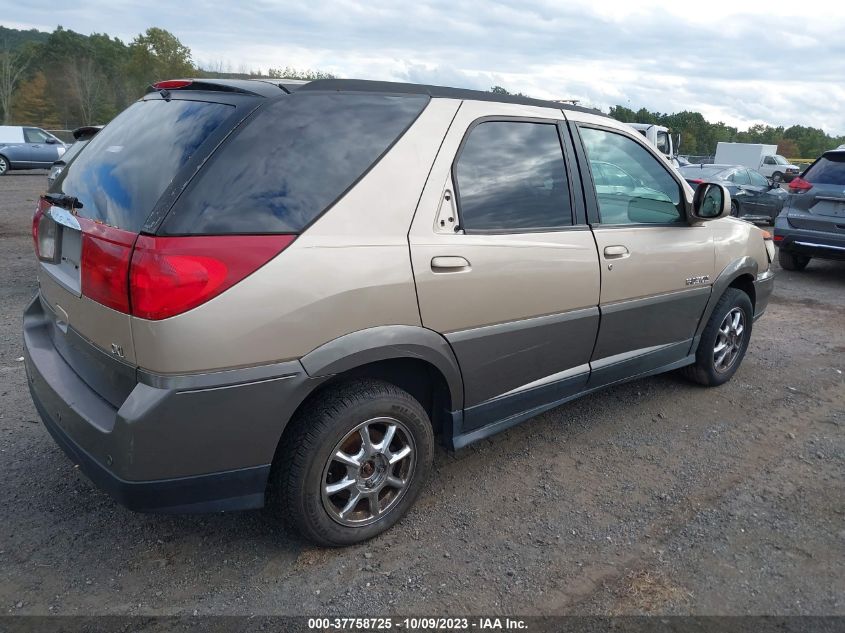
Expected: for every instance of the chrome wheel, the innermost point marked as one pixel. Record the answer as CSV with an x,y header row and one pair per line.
x,y
368,472
4,165
729,340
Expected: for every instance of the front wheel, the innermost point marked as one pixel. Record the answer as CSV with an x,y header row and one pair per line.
x,y
777,177
791,261
4,165
352,463
724,340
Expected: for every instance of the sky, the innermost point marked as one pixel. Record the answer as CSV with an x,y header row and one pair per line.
x,y
737,61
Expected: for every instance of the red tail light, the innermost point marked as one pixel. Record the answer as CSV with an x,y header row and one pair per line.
x,y
799,185
106,253
778,238
695,181
172,84
171,275
40,210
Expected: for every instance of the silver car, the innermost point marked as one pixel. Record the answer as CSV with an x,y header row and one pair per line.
x,y
24,147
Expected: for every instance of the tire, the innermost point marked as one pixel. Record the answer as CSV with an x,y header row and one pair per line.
x,y
777,177
734,209
4,166
721,329
791,261
304,468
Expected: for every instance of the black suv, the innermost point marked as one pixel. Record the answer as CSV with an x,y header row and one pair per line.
x,y
812,223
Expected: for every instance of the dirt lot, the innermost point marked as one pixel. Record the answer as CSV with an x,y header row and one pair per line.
x,y
653,497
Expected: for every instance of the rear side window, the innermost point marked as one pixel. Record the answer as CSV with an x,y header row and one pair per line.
x,y
828,170
128,165
290,162
740,177
511,177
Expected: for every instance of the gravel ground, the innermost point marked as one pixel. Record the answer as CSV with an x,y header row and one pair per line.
x,y
652,497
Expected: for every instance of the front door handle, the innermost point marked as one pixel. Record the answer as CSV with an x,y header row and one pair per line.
x,y
615,252
449,264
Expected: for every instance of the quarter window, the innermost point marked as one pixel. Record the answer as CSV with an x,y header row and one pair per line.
x,y
757,180
652,195
511,177
740,177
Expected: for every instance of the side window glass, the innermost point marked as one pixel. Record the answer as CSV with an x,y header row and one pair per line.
x,y
511,177
663,142
33,135
769,161
651,196
740,177
757,179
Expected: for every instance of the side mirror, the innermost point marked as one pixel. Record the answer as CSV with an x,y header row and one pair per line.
x,y
52,141
710,202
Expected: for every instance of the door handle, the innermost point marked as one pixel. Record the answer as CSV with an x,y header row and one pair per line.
x,y
449,264
615,252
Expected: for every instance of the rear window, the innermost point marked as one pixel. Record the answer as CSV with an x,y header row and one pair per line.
x,y
126,167
828,170
290,162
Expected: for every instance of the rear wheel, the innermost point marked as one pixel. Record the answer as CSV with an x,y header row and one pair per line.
x,y
777,177
4,165
724,340
791,261
352,463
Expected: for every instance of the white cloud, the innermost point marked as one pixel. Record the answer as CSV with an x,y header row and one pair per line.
x,y
740,62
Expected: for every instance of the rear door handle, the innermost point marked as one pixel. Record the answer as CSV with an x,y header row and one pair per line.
x,y
449,264
615,252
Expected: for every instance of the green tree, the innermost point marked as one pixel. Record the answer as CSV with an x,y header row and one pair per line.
x,y
294,73
155,55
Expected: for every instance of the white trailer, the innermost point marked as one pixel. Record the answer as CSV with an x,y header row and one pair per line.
x,y
764,158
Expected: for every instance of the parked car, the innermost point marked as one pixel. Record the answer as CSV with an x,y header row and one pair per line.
x,y
24,147
812,223
753,198
81,137
254,295
759,156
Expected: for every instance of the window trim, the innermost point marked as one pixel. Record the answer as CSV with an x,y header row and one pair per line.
x,y
453,172
593,210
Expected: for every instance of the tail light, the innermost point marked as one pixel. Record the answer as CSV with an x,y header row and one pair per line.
x,y
695,181
156,277
106,253
778,239
799,185
44,232
171,275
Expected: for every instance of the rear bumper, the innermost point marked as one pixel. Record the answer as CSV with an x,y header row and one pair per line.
x,y
820,244
198,443
764,284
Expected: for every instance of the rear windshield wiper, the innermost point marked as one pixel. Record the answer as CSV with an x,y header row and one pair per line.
x,y
63,200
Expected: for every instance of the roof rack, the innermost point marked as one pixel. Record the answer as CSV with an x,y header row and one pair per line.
x,y
363,85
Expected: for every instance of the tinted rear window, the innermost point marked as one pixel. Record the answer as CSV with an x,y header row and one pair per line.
x,y
290,162
126,167
828,170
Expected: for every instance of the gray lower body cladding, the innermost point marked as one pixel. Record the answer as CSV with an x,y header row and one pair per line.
x,y
176,443
809,243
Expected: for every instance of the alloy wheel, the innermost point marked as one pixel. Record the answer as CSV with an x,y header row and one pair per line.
x,y
4,165
729,340
368,472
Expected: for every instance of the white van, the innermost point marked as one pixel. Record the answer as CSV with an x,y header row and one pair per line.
x,y
760,156
24,147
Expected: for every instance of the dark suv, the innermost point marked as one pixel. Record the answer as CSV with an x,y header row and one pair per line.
x,y
812,223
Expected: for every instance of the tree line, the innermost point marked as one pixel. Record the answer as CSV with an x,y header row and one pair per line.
x,y
64,79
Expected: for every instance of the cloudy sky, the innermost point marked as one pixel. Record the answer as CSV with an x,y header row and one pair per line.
x,y
738,61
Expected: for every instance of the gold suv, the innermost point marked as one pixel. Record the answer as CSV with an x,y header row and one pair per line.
x,y
258,293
